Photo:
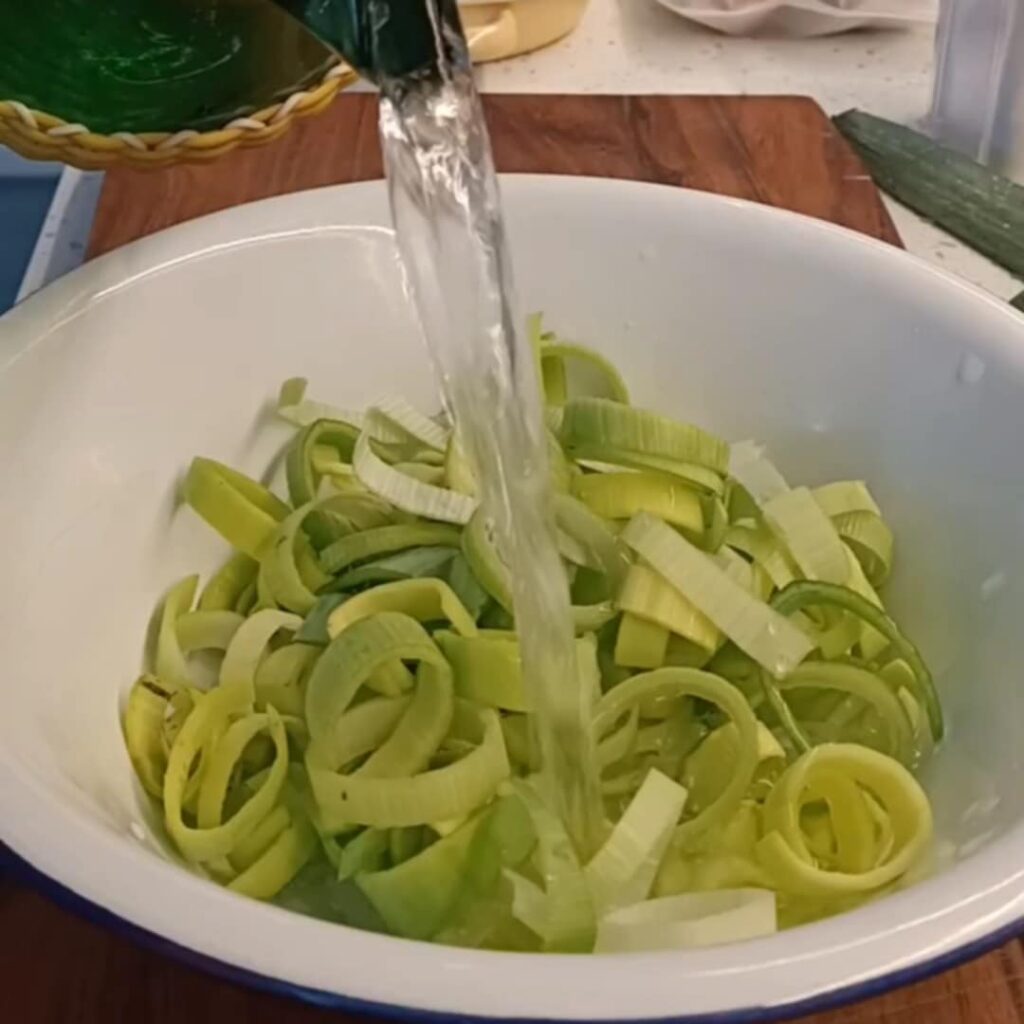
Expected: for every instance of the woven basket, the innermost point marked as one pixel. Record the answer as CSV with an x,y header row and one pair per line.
x,y
42,136
497,29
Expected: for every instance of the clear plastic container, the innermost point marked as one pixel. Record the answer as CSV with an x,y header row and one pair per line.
x,y
978,99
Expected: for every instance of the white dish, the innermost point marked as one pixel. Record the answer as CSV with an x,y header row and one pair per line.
x,y
802,18
847,356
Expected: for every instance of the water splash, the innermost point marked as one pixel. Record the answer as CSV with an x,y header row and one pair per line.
x,y
447,214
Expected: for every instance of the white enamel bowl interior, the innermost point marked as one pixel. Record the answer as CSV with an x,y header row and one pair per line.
x,y
848,357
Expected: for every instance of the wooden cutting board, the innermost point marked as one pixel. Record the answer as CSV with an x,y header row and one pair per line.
x,y
777,150
56,967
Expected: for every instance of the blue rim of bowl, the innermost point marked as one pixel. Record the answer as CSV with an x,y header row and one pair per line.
x,y
66,898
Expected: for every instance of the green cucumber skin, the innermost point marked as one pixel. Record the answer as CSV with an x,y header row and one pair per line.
x,y
975,205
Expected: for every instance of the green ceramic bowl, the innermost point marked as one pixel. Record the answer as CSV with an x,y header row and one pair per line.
x,y
153,65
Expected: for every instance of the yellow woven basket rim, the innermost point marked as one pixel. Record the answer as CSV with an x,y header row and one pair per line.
x,y
41,136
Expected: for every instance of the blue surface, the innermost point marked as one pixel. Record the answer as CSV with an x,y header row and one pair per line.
x,y
25,194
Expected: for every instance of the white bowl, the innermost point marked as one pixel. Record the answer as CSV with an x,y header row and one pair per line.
x,y
849,357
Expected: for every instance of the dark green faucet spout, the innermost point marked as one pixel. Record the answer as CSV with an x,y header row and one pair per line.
x,y
385,39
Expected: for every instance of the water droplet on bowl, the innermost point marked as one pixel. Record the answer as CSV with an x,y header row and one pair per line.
x,y
991,585
971,369
974,844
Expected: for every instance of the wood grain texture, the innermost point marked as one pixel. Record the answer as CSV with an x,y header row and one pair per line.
x,y
777,150
56,968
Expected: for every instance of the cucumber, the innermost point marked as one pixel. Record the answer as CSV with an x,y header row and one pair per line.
x,y
981,208
1018,302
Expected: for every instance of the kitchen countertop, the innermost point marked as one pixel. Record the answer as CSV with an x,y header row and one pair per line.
x,y
637,46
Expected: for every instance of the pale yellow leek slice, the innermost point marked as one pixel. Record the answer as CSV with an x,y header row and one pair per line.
x,y
765,549
708,768
295,408
623,869
622,495
897,792
281,678
680,683
409,419
845,496
248,646
561,911
170,662
426,600
144,715
487,668
241,510
227,585
279,864
867,687
435,795
557,361
362,730
249,849
871,540
769,638
640,643
351,659
608,424
406,492
809,535
204,724
420,730
650,596
206,630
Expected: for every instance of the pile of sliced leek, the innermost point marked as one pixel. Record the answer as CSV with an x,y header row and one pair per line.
x,y
362,751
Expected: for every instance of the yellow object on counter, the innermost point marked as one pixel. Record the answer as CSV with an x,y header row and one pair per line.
x,y
503,28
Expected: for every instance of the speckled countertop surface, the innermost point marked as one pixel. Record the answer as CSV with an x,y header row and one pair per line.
x,y
636,46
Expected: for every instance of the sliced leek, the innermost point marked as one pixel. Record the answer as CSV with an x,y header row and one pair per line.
x,y
608,424
650,596
783,850
557,360
170,662
427,600
295,408
752,625
678,684
692,920
352,658
487,668
810,536
436,795
622,871
242,511
384,540
407,492
366,751
802,595
622,495
754,471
